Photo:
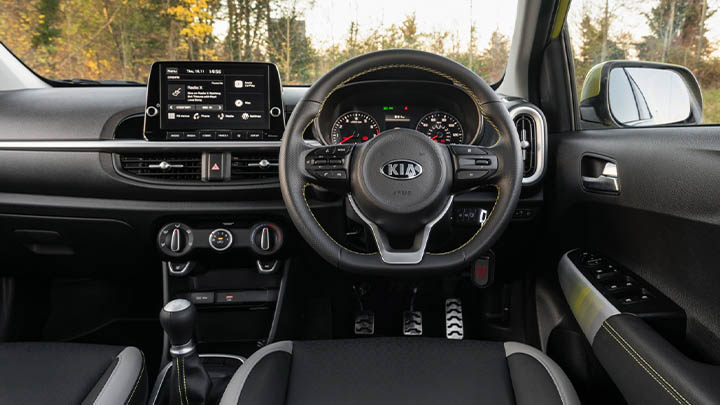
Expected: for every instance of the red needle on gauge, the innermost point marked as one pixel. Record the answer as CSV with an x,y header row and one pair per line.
x,y
435,137
346,139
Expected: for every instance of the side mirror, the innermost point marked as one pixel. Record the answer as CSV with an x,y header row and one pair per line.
x,y
637,94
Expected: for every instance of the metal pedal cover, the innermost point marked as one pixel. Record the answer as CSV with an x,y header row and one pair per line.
x,y
365,323
454,319
412,323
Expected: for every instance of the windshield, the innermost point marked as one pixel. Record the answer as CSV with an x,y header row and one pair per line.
x,y
120,39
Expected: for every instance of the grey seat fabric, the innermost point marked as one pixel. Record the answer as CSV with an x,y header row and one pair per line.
x,y
399,371
69,373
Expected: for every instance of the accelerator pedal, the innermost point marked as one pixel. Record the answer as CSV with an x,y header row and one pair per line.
x,y
454,319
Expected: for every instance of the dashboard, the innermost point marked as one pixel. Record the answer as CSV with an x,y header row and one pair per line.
x,y
121,143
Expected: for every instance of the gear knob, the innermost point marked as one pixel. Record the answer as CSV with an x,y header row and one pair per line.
x,y
178,319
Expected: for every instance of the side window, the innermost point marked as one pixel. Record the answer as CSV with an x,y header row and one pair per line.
x,y
646,63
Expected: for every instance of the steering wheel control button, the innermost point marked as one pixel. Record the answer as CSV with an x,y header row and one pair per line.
x,y
471,174
175,239
265,238
468,150
329,164
472,165
220,239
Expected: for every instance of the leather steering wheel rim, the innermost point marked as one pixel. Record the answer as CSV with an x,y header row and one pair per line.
x,y
294,183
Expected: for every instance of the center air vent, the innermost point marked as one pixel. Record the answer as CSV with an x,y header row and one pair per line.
x,y
176,167
254,166
530,126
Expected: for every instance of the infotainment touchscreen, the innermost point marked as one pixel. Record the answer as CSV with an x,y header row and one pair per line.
x,y
215,97
214,101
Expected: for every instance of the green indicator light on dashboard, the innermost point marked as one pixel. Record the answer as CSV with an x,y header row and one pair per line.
x,y
385,108
391,108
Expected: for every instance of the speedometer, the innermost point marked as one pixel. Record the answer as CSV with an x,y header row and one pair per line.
x,y
354,127
441,127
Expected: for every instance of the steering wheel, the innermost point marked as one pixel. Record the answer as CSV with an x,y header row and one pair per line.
x,y
400,183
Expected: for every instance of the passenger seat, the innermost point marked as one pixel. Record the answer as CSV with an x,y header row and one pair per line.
x,y
71,373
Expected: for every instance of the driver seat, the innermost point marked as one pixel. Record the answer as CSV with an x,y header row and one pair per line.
x,y
399,371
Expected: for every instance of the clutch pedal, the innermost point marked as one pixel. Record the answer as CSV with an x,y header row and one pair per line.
x,y
454,319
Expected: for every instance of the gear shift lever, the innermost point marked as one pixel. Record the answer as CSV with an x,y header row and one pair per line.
x,y
189,382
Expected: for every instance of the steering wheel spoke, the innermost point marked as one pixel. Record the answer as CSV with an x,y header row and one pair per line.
x,y
473,166
329,166
412,255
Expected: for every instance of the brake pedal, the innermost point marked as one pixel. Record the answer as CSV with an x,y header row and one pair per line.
x,y
412,319
365,323
454,319
412,323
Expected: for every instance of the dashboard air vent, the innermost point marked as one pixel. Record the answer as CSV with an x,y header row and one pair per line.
x,y
254,166
527,130
177,167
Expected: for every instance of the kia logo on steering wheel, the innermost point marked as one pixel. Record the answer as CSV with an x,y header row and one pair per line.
x,y
401,169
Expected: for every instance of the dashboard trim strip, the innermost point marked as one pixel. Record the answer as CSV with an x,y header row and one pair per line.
x,y
116,145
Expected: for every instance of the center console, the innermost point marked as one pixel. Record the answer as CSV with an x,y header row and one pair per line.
x,y
218,124
233,270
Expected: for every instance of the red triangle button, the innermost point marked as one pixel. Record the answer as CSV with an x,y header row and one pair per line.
x,y
215,167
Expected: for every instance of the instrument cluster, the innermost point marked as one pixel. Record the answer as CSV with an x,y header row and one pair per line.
x,y
440,111
361,125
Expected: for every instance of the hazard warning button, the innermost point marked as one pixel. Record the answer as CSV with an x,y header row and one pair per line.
x,y
215,166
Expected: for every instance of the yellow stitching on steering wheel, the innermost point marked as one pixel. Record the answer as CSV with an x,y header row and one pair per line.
x,y
323,229
465,89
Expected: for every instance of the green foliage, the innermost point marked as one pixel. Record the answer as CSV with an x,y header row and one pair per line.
x,y
46,29
119,39
711,105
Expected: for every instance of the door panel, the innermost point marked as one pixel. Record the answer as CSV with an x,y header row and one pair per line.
x,y
664,224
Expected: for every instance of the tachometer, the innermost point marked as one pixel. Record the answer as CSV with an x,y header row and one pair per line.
x,y
354,127
441,127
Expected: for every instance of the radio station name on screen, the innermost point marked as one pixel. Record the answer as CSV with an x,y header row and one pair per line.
x,y
206,98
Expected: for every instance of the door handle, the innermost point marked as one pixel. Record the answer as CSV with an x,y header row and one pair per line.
x,y
606,182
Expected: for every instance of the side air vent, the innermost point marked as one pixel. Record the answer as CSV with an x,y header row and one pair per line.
x,y
527,131
254,166
531,130
175,167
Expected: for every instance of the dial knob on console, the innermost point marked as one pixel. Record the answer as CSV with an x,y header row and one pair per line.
x,y
175,239
266,238
220,239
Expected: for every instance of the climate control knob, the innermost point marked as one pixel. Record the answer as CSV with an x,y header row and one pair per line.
x,y
220,239
175,239
266,238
